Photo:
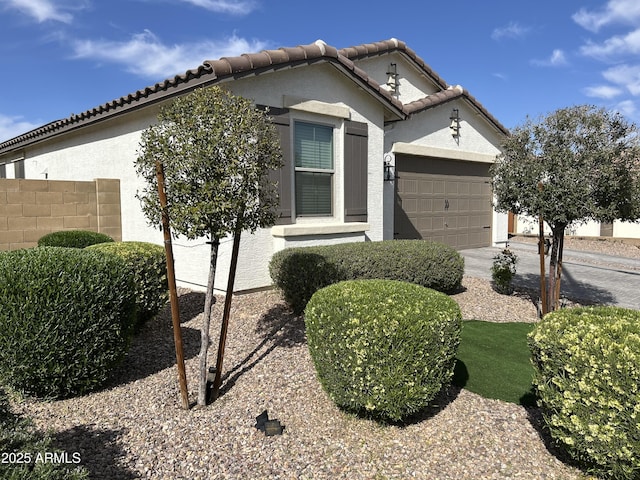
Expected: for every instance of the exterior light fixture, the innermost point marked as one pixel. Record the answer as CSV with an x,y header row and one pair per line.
x,y
455,122
389,169
269,427
392,78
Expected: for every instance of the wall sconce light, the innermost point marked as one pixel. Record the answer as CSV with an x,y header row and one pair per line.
x,y
389,169
455,122
392,77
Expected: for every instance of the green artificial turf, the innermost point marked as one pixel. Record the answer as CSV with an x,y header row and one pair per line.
x,y
494,361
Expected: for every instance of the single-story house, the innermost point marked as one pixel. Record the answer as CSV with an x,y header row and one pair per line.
x,y
406,155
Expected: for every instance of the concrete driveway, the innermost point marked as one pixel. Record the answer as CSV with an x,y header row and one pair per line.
x,y
598,278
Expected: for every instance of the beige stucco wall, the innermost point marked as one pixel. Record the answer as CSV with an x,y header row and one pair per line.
x,y
30,209
109,150
412,84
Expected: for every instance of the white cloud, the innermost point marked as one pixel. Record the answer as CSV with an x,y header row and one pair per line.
x,y
145,54
41,10
613,47
512,30
13,126
225,6
626,76
615,11
557,59
628,109
602,91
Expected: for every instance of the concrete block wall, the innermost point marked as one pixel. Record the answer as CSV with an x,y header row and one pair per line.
x,y
30,209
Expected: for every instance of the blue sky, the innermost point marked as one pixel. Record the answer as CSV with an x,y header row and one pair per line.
x,y
59,57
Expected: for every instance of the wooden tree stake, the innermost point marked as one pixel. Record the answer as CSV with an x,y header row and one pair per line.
x,y
173,293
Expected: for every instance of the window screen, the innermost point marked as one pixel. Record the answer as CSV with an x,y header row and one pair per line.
x,y
313,169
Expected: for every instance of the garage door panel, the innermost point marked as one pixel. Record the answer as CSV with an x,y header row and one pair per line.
x,y
410,205
437,223
443,200
425,223
426,187
438,204
426,205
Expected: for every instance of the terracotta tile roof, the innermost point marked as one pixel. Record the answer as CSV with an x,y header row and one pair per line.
x,y
448,92
229,68
392,45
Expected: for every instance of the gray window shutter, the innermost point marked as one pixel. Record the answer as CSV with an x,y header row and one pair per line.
x,y
355,171
281,120
19,169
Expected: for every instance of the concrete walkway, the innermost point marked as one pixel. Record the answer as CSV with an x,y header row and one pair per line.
x,y
598,278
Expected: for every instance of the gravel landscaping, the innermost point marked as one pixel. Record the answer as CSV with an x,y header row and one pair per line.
x,y
135,427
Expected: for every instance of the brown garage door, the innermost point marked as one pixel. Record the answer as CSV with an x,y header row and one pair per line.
x,y
442,200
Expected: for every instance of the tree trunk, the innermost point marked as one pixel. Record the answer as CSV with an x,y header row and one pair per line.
x,y
555,267
209,302
225,315
556,294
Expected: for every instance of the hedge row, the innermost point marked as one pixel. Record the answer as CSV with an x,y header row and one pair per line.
x,y
300,272
66,317
148,267
73,239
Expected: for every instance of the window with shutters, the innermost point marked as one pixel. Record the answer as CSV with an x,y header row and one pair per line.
x,y
314,169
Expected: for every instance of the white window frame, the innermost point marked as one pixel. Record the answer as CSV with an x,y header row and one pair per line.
x,y
336,176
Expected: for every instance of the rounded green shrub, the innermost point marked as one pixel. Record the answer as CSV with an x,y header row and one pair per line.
x,y
73,239
66,317
148,266
587,363
382,347
299,272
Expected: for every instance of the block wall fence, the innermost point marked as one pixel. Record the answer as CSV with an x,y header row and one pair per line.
x,y
30,209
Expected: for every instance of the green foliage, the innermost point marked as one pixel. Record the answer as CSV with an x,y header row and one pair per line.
x,y
73,239
66,317
587,363
148,266
588,160
382,347
217,151
300,272
503,270
494,361
18,436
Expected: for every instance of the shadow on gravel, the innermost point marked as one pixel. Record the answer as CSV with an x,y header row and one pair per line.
x,y
99,451
191,305
534,415
152,349
278,327
571,288
442,400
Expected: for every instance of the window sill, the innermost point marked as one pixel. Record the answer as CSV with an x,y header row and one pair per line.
x,y
318,229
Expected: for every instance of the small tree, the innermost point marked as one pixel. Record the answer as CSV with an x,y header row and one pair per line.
x,y
576,164
217,150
